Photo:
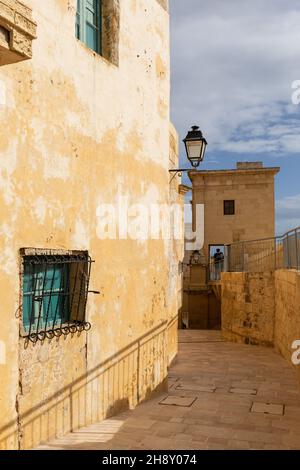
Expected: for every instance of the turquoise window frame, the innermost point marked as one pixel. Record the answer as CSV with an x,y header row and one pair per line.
x,y
54,288
88,28
52,308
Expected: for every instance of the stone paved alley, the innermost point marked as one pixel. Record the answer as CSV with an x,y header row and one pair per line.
x,y
225,388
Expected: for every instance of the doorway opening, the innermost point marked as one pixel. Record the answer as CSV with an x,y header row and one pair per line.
x,y
216,262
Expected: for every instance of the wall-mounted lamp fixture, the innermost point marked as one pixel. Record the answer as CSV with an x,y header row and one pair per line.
x,y
195,146
195,258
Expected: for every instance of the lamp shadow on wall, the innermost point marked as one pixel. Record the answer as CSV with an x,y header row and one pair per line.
x,y
119,383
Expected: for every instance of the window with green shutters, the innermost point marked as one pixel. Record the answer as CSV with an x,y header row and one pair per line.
x,y
54,294
45,299
89,23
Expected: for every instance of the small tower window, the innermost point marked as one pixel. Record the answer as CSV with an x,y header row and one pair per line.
x,y
229,207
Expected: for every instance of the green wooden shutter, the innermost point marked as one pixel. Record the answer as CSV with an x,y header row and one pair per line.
x,y
78,20
45,292
89,23
27,295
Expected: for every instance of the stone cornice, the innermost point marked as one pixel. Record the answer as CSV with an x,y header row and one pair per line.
x,y
194,175
183,189
17,30
164,4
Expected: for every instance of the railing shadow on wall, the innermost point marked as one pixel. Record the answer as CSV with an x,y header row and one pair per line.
x,y
268,254
121,381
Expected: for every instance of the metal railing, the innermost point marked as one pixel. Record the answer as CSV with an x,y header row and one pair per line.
x,y
264,255
215,269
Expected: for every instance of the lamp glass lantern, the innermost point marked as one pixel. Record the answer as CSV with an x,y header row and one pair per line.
x,y
195,258
195,146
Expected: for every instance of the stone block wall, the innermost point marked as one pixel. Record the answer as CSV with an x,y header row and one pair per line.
x,y
262,309
248,307
287,318
252,189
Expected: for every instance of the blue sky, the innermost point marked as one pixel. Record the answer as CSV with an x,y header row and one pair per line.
x,y
233,65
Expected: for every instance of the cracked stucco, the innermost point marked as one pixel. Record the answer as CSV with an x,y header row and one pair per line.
x,y
76,136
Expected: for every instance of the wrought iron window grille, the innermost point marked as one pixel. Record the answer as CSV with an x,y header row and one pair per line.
x,y
55,290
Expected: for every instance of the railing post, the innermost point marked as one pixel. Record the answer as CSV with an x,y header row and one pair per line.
x,y
296,243
287,252
226,258
243,255
287,256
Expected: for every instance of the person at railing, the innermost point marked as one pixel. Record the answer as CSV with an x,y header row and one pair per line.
x,y
218,264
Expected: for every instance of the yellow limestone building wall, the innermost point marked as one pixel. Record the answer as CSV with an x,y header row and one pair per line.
x,y
77,132
248,307
287,317
253,192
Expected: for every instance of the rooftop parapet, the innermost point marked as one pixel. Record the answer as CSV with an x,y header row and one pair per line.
x,y
249,165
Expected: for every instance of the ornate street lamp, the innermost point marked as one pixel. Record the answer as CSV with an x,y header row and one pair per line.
x,y
195,257
195,146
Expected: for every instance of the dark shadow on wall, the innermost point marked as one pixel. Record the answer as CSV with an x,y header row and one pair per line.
x,y
124,380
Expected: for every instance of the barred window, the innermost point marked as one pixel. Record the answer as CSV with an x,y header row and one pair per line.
x,y
229,207
55,290
88,27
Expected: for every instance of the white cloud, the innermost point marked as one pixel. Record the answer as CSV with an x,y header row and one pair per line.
x,y
288,213
233,69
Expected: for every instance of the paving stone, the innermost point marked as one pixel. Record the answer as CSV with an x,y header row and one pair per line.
x,y
176,420
234,444
219,420
140,423
173,378
175,400
194,387
267,408
243,391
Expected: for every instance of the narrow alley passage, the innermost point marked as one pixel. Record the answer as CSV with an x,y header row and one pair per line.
x,y
221,396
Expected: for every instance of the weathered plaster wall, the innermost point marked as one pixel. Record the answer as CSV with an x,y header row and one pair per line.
x,y
176,250
248,307
77,132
